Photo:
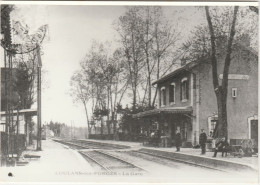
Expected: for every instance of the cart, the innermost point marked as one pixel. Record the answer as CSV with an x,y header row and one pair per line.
x,y
236,151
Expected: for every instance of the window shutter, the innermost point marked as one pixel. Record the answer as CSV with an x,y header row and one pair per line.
x,y
160,98
194,81
164,97
161,95
181,90
171,93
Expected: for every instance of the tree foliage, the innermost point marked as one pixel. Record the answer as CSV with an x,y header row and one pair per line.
x,y
147,39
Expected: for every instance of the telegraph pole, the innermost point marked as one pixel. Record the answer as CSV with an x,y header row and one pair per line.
x,y
39,135
71,130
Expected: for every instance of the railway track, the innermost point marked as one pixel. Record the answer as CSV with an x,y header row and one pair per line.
x,y
180,161
109,162
106,161
73,145
103,145
90,145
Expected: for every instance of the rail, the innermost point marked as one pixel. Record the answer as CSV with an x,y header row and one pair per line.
x,y
123,160
181,161
94,160
109,157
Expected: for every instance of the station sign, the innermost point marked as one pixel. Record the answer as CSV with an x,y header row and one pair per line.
x,y
235,77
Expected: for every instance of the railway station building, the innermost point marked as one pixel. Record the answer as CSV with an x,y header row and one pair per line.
x,y
187,100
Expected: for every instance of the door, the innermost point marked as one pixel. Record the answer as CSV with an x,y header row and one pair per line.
x,y
254,130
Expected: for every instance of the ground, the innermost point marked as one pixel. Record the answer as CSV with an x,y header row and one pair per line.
x,y
59,163
55,163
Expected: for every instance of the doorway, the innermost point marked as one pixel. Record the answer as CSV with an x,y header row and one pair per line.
x,y
254,130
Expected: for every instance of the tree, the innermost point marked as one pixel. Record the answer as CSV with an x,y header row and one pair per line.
x,y
102,73
148,39
165,38
158,39
80,91
129,29
221,89
97,72
26,65
254,9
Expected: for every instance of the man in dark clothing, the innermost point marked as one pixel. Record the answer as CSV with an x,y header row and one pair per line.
x,y
178,141
221,146
157,138
202,141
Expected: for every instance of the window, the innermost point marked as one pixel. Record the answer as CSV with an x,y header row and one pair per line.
x,y
3,118
184,90
172,93
212,123
163,96
234,92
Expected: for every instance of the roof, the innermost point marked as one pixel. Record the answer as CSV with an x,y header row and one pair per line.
x,y
192,64
30,112
186,67
171,110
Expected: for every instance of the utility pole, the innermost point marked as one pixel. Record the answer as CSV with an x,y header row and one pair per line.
x,y
74,131
71,130
39,135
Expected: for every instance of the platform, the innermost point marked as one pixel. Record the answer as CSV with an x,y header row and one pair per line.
x,y
251,162
57,163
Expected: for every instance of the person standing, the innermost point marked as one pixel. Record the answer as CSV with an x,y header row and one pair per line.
x,y
202,141
178,140
158,138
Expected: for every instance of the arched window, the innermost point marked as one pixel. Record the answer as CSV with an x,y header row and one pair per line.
x,y
172,93
163,96
184,90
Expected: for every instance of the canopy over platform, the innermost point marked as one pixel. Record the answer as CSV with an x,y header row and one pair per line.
x,y
170,110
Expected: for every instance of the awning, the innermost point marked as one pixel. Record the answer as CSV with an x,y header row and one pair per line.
x,y
28,112
170,110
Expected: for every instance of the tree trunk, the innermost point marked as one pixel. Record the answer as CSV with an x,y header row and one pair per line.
x,y
149,90
108,104
86,111
155,95
148,61
221,127
221,91
134,99
101,128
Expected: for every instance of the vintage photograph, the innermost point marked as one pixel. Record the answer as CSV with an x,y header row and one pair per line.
x,y
123,93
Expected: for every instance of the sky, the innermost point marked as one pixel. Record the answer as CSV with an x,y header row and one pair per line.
x,y
71,32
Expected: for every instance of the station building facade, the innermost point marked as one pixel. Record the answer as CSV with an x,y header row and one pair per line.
x,y
187,100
